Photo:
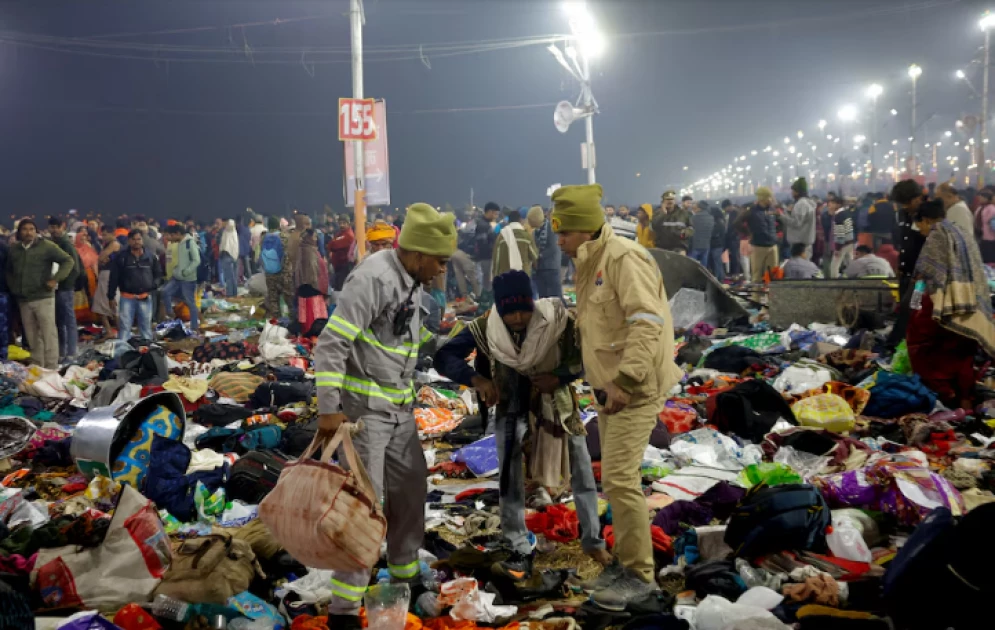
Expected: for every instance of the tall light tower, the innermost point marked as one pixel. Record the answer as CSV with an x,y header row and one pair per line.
x,y
986,22
914,73
874,91
586,42
847,114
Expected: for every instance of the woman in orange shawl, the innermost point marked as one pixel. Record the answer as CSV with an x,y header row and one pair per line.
x,y
88,256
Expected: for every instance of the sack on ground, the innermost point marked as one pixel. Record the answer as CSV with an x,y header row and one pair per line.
x,y
825,411
125,568
209,570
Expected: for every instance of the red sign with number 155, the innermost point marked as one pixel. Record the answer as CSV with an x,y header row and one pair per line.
x,y
356,120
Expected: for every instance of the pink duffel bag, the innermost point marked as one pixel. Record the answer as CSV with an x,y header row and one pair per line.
x,y
325,516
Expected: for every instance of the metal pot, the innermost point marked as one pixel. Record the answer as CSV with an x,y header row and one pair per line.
x,y
102,433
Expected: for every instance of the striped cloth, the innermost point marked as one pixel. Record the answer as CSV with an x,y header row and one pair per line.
x,y
238,386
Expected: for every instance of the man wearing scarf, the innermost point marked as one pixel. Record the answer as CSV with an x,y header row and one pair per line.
x,y
527,358
627,340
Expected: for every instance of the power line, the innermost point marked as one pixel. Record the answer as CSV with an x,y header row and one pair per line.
x,y
85,108
99,47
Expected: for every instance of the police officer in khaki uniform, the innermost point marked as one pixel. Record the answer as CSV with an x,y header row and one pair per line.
x,y
627,342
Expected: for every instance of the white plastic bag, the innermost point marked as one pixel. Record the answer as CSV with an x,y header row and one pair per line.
x,y
273,333
718,613
845,541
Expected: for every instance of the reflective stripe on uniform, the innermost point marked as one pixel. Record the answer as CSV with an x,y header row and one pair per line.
x,y
343,327
364,387
347,591
405,349
404,571
426,335
649,317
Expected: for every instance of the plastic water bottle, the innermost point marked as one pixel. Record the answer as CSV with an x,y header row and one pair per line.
x,y
166,607
916,302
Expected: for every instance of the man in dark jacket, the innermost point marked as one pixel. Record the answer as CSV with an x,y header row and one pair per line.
x,y
759,220
484,237
65,312
717,243
732,236
31,283
908,195
244,249
138,274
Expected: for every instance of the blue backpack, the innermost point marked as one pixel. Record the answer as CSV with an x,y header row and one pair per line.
x,y
770,519
272,254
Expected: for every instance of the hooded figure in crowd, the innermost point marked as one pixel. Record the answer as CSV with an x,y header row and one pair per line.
x,y
644,233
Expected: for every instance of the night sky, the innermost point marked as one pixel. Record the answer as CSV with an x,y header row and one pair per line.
x,y
683,82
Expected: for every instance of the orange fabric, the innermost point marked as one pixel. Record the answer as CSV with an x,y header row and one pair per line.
x,y
774,273
134,296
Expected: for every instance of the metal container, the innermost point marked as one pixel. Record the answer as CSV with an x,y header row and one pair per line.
x,y
103,432
15,433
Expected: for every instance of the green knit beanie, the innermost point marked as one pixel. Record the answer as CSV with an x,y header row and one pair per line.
x,y
577,209
427,231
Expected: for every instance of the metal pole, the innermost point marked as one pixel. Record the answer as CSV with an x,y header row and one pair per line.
x,y
874,141
356,19
984,118
589,121
912,148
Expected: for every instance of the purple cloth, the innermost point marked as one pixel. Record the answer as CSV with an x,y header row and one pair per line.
x,y
669,519
721,499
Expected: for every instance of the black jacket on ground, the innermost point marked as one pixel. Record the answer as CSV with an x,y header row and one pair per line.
x,y
136,275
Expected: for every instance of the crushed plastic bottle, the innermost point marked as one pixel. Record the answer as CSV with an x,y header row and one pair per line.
x,y
916,302
427,605
166,607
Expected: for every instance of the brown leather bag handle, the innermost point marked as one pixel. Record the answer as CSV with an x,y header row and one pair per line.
x,y
343,438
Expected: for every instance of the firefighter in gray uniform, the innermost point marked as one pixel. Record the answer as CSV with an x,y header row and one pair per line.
x,y
364,363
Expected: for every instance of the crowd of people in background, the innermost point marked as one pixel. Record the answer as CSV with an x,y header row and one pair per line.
x,y
127,274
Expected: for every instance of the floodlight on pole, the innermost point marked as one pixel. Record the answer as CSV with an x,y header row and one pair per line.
x,y
960,74
914,73
986,22
874,91
822,125
591,43
846,114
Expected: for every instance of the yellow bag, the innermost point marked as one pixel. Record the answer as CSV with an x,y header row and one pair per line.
x,y
825,411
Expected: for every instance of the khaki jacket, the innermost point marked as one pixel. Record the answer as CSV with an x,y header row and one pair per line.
x,y
626,333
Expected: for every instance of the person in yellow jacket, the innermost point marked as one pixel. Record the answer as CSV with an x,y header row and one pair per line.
x,y
644,232
627,343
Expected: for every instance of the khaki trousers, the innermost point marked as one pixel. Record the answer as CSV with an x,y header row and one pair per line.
x,y
38,319
624,437
762,259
